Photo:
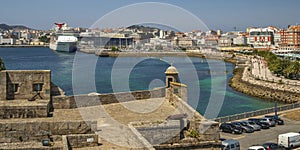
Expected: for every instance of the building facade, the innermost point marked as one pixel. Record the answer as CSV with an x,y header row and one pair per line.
x,y
262,38
290,38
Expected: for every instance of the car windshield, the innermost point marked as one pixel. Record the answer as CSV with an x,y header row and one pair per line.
x,y
242,123
252,123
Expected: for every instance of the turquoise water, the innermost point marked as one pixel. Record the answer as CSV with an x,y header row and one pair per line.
x,y
147,73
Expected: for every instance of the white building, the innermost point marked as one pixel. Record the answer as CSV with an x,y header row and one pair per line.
x,y
224,41
277,39
7,41
161,34
240,40
261,37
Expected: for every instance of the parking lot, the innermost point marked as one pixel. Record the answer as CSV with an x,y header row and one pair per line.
x,y
265,135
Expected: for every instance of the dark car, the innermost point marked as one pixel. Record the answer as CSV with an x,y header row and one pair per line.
x,y
245,128
258,121
228,127
278,120
272,146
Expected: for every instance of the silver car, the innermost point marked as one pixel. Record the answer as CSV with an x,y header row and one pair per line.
x,y
270,121
253,125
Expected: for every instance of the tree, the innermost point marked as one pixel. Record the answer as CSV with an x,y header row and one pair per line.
x,y
113,48
293,69
2,67
44,39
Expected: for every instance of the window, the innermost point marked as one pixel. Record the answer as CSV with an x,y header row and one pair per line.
x,y
37,87
16,87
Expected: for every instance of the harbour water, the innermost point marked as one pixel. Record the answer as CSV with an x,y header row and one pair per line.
x,y
147,73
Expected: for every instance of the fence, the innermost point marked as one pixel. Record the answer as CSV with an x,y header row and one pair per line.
x,y
257,113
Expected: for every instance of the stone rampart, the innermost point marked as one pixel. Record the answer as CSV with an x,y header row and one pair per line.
x,y
24,131
69,102
82,140
25,84
23,109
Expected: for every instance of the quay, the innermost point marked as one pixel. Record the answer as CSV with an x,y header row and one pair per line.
x,y
18,46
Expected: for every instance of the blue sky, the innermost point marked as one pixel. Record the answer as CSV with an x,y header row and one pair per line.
x,y
216,14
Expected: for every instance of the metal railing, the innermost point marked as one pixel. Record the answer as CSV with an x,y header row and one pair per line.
x,y
256,113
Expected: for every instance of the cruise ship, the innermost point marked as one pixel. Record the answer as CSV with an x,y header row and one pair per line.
x,y
64,38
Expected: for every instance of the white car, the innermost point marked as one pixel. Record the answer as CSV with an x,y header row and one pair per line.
x,y
256,148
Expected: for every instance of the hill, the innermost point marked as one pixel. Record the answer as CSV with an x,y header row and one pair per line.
x,y
13,27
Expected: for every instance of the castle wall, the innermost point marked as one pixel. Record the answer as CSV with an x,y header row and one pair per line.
x,y
18,109
19,84
177,96
24,131
69,102
82,140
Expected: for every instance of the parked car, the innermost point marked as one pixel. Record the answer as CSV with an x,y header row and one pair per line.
x,y
228,127
256,148
230,144
246,129
278,120
252,124
258,121
270,121
272,146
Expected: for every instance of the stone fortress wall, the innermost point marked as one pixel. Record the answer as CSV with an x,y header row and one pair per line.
x,y
79,133
70,102
20,84
24,93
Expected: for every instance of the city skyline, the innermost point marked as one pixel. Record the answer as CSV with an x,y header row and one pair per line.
x,y
217,14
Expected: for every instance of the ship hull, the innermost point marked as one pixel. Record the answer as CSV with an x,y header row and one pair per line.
x,y
64,46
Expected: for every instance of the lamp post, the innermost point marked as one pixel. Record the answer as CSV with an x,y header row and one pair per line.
x,y
275,108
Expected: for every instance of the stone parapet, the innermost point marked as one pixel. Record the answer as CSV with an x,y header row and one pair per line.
x,y
69,102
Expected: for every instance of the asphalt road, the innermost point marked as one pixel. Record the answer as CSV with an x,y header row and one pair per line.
x,y
263,136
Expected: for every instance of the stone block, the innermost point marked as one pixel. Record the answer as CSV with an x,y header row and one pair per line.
x,y
62,125
74,125
44,126
5,140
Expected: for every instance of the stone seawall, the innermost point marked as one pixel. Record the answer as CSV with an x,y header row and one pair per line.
x,y
69,102
261,91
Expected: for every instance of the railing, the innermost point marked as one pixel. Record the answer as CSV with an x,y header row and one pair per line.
x,y
256,113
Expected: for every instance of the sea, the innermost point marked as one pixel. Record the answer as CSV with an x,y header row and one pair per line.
x,y
207,80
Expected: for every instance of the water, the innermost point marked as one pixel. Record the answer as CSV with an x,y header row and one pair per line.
x,y
148,73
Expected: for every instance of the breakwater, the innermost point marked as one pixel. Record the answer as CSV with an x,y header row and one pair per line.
x,y
260,91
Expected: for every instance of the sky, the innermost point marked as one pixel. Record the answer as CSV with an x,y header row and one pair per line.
x,y
215,14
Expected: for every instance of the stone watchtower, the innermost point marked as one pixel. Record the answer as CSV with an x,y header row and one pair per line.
x,y
171,75
173,85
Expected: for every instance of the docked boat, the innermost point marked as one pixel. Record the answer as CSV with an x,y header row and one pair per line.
x,y
64,38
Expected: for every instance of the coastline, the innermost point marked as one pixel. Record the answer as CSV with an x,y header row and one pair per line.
x,y
20,46
260,91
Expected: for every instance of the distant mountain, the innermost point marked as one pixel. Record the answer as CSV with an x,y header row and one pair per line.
x,y
149,27
13,27
143,28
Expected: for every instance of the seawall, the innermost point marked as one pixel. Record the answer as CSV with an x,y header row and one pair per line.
x,y
263,92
